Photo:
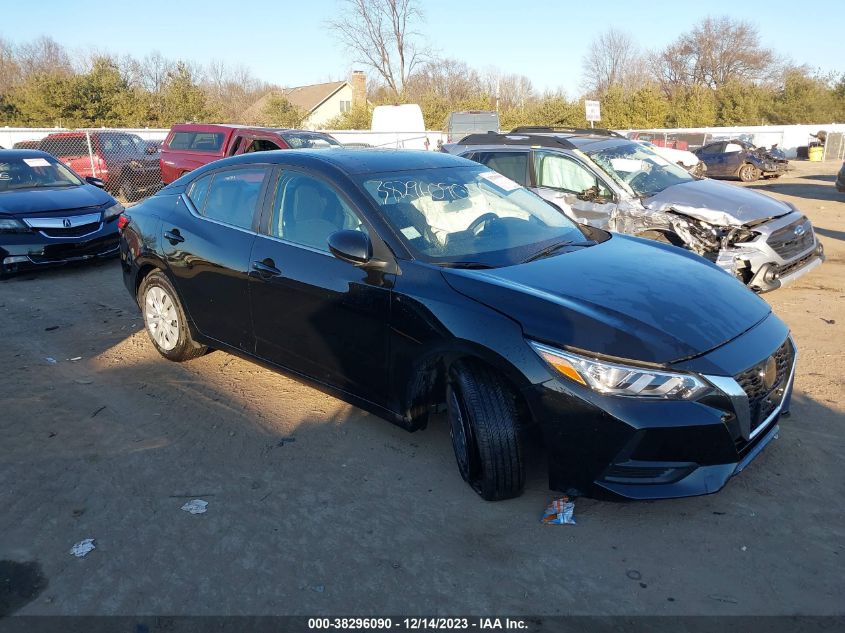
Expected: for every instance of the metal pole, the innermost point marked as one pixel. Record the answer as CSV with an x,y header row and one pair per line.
x,y
90,153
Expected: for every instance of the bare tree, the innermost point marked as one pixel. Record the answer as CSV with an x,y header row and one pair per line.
x,y
380,34
510,90
451,79
717,51
613,59
10,71
43,55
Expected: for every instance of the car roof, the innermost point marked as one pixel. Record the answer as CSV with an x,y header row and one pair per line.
x,y
24,153
350,161
210,127
551,139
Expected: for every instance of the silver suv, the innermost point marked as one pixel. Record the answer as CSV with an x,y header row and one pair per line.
x,y
604,180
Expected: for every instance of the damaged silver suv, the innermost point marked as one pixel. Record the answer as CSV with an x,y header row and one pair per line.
x,y
599,178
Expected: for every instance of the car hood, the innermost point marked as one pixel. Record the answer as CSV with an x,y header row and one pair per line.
x,y
626,297
31,201
717,203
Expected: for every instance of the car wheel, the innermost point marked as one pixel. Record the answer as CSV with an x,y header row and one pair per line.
x,y
484,426
748,173
164,319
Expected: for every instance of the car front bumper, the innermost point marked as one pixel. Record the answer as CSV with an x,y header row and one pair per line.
x,y
27,251
777,257
640,449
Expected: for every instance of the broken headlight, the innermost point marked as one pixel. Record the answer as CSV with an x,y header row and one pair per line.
x,y
113,211
614,379
739,236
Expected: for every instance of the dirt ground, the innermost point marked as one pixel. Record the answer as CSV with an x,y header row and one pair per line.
x,y
316,507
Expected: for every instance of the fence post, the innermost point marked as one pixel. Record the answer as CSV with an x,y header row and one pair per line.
x,y
90,153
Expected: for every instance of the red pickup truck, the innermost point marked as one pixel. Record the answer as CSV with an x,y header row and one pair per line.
x,y
191,145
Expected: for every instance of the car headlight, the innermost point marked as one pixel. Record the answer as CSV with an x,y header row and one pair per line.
x,y
614,379
12,225
113,211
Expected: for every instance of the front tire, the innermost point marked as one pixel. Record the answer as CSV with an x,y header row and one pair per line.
x,y
165,320
749,173
484,426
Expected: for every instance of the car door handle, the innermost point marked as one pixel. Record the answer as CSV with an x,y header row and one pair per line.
x,y
266,268
173,236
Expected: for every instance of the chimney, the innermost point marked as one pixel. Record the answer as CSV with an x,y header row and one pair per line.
x,y
358,81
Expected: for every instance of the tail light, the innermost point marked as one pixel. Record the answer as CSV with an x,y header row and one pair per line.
x,y
123,221
100,165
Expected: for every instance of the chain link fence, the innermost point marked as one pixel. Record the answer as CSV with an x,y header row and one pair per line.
x,y
127,164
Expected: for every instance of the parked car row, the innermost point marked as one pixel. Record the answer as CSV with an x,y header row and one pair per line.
x,y
607,181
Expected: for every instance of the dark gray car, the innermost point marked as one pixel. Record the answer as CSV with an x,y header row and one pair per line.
x,y
617,184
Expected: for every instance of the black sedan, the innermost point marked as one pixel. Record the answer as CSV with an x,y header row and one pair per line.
x,y
49,215
404,281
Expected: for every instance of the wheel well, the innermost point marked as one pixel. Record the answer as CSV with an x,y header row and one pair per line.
x,y
427,390
145,270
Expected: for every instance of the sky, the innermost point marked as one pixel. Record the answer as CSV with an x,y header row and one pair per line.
x,y
285,42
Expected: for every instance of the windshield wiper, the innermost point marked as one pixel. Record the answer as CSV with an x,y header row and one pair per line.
x,y
464,265
554,247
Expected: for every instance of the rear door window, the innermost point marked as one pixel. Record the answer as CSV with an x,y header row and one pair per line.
x,y
233,196
197,141
514,165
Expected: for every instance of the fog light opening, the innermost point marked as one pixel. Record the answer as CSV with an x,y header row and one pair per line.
x,y
771,275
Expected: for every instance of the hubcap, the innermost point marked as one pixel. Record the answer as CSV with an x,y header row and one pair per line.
x,y
162,320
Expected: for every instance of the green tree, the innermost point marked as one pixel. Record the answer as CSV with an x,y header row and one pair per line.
x,y
694,106
358,118
279,112
182,99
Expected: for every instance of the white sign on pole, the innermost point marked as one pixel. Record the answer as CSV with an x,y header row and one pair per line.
x,y
593,109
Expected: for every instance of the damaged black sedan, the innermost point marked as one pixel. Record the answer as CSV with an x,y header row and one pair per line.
x,y
51,216
411,282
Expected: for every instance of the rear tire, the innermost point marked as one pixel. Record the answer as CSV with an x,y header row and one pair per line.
x,y
165,320
484,426
748,173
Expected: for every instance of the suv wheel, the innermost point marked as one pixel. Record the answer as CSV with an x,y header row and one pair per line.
x,y
749,173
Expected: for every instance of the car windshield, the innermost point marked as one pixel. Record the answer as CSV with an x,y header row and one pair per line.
x,y
469,216
33,172
299,140
639,168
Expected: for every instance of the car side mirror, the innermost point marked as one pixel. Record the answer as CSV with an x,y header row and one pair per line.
x,y
354,247
91,180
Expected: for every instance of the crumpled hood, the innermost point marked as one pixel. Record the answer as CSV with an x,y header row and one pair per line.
x,y
626,297
31,201
717,202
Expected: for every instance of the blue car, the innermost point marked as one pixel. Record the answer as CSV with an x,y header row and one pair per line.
x,y
49,215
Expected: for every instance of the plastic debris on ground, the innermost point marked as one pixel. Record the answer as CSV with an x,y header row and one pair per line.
x,y
560,512
51,360
196,506
83,548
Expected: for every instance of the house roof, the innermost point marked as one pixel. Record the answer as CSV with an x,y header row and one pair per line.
x,y
308,98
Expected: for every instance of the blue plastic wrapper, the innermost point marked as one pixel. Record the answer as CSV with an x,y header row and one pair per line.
x,y
560,512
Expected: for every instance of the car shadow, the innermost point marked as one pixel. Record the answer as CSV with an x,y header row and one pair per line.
x,y
836,235
800,189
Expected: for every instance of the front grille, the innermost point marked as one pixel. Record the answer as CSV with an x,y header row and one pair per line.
x,y
762,400
76,231
787,244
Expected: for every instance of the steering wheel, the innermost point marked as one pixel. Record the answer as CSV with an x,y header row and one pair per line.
x,y
480,221
641,177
